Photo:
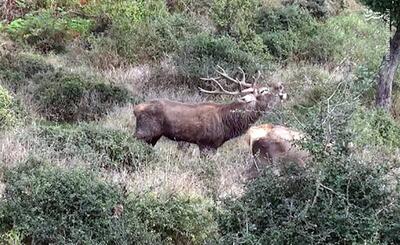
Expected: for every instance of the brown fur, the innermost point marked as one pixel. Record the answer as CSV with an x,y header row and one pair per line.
x,y
269,143
209,125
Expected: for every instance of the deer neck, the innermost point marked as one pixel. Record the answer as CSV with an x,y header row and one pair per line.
x,y
237,117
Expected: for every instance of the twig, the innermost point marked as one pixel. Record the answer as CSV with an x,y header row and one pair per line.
x,y
316,191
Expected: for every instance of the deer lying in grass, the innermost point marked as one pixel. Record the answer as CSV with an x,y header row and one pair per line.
x,y
269,143
209,125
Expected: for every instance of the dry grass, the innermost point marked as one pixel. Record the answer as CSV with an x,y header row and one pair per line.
x,y
132,78
12,150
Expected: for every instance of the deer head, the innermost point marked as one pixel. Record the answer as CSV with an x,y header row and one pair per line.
x,y
251,92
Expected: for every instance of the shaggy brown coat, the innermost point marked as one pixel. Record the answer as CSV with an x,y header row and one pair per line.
x,y
209,125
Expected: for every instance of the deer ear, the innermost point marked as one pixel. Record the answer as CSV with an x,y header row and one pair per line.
x,y
248,98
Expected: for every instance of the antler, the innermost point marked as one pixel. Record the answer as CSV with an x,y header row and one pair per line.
x,y
223,73
249,87
221,91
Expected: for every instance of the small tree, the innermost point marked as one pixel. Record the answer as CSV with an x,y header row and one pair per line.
x,y
391,60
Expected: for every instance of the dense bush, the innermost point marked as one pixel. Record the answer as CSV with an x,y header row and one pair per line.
x,y
128,30
199,56
17,69
126,12
152,39
190,6
7,114
345,201
95,144
48,204
342,196
48,30
320,8
358,39
68,97
177,219
375,128
285,31
291,32
234,17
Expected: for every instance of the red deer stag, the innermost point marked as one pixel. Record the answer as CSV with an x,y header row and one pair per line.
x,y
209,125
269,143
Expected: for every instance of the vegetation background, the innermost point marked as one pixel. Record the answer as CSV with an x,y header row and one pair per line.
x,y
71,171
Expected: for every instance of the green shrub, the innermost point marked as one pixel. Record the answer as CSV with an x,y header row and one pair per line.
x,y
48,204
17,70
190,6
11,237
341,203
320,8
129,30
361,40
154,38
95,144
198,56
286,31
48,30
292,33
177,219
126,12
343,196
375,128
69,97
234,17
7,114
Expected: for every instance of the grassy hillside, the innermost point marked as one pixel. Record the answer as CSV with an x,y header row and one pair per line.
x,y
71,170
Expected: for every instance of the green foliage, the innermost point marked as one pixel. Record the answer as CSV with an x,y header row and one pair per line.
x,y
69,97
48,204
126,12
375,128
105,147
7,114
152,39
291,32
320,8
178,219
16,70
341,197
128,35
341,203
282,19
285,31
234,17
199,55
48,30
190,6
370,36
11,237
